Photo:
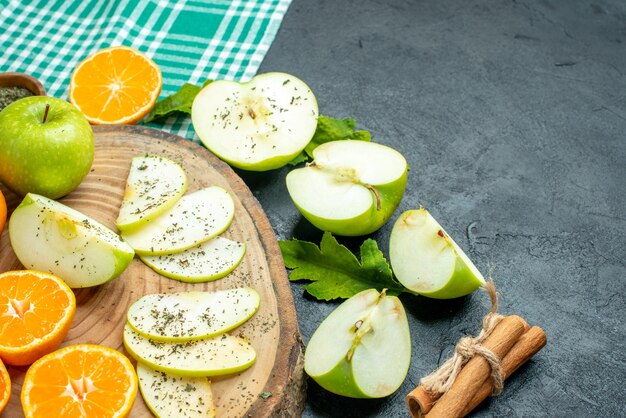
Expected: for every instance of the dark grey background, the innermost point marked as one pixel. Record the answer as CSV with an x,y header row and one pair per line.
x,y
512,116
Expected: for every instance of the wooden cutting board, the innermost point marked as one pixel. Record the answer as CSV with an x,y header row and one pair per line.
x,y
101,310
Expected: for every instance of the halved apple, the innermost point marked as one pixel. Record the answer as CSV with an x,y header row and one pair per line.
x,y
351,188
363,348
168,395
215,356
194,219
427,261
259,125
49,236
154,184
185,316
208,261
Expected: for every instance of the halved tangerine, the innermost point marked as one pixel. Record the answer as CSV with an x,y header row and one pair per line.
x,y
36,312
116,85
5,386
80,381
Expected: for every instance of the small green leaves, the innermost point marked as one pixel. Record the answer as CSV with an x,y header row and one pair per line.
x,y
265,395
331,129
180,101
335,271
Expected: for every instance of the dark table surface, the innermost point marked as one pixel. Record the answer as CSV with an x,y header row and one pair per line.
x,y
512,116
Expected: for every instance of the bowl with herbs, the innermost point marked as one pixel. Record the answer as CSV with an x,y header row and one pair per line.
x,y
15,86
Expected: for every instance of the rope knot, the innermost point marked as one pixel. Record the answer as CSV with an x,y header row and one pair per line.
x,y
441,380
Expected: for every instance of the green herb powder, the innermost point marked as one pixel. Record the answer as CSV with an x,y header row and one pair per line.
x,y
10,94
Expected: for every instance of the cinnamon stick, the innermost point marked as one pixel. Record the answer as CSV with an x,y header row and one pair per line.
x,y
475,372
526,347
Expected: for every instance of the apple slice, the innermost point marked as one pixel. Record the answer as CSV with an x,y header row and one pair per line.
x,y
194,219
49,236
154,184
259,125
215,356
427,261
186,316
168,395
208,261
351,188
363,348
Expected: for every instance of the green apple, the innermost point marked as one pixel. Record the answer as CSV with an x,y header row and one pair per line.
x,y
154,185
259,125
184,316
195,218
351,188
363,348
49,236
215,356
47,152
168,395
208,261
427,261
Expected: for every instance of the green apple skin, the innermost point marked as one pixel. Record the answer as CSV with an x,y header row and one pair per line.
x,y
368,222
51,158
462,281
340,380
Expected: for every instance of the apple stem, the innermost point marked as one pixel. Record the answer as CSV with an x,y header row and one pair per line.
x,y
373,190
45,114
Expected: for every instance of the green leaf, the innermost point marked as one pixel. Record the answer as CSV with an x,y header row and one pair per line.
x,y
331,129
179,102
334,271
300,158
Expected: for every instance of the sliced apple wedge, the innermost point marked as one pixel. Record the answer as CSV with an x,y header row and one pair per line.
x,y
48,236
208,261
184,316
154,184
363,348
351,188
215,356
426,259
194,219
259,125
167,395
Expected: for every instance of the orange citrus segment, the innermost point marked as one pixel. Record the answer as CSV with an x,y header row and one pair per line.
x,y
36,312
5,386
82,380
3,211
115,85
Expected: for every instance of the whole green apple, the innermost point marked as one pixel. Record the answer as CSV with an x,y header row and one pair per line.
x,y
47,152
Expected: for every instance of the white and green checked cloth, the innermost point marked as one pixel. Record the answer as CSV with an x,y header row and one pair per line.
x,y
190,40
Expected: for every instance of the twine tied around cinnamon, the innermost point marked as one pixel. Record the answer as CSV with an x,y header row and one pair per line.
x,y
441,380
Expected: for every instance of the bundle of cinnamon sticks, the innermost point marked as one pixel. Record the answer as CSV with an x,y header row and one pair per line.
x,y
512,341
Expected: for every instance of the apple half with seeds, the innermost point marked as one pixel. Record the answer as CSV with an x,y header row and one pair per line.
x,y
215,356
154,184
49,236
259,125
351,188
195,218
363,348
168,395
427,261
184,316
210,260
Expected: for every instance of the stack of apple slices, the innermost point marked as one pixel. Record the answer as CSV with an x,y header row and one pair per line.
x,y
177,235
179,340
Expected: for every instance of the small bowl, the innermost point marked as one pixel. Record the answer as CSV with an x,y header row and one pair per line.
x,y
22,80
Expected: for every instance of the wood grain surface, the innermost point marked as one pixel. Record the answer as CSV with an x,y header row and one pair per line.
x,y
101,310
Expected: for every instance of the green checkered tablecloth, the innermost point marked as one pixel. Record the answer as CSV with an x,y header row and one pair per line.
x,y
190,40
